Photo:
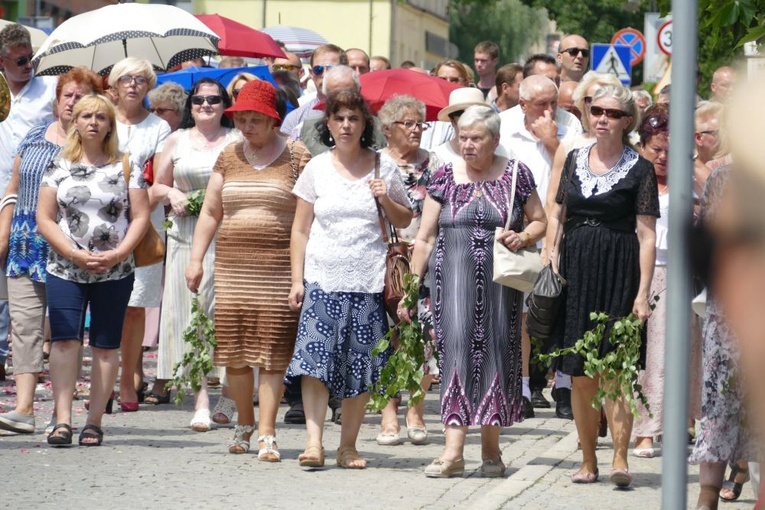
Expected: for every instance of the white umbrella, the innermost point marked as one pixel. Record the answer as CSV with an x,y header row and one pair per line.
x,y
162,34
38,36
298,40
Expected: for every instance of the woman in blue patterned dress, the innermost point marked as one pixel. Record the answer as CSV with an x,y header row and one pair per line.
x,y
477,322
25,250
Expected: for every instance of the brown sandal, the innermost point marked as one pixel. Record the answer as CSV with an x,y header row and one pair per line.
x,y
312,457
348,454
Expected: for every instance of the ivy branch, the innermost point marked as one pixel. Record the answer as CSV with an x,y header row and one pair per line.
x,y
197,360
193,203
403,371
618,369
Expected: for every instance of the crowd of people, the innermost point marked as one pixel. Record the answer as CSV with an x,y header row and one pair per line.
x,y
288,257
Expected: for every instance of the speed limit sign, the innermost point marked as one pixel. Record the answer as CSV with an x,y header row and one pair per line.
x,y
664,36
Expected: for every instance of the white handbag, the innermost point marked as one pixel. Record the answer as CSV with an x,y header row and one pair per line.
x,y
516,269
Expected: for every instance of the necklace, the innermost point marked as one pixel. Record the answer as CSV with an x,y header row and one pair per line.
x,y
250,154
206,141
60,133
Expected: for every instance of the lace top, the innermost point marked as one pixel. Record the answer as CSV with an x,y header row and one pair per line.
x,y
598,184
345,250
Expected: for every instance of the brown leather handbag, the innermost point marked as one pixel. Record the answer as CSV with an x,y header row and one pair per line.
x,y
151,249
397,262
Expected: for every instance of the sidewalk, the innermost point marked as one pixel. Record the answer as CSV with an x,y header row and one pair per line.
x,y
151,459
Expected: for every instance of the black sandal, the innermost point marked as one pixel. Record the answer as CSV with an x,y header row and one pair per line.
x,y
157,399
63,438
91,432
732,485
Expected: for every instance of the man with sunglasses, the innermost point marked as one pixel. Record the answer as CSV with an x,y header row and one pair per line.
x,y
324,58
31,103
573,58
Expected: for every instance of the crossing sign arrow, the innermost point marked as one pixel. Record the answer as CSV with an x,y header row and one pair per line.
x,y
613,59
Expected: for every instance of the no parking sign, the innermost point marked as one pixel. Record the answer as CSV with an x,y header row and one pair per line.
x,y
634,40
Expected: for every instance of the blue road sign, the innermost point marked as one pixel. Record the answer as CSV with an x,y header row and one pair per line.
x,y
613,59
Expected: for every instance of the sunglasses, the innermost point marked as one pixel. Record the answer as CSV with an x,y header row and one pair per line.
x,y
573,52
410,125
211,100
657,121
597,111
22,61
286,67
319,70
160,111
128,79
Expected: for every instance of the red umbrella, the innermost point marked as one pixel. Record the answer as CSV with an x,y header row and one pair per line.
x,y
238,40
379,86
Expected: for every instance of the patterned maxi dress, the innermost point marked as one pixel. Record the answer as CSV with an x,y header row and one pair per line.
x,y
192,168
477,322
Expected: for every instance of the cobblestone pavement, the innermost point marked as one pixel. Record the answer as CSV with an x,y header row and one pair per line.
x,y
151,459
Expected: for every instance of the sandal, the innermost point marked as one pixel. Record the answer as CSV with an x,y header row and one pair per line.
x,y
91,432
268,453
157,399
346,455
240,444
732,485
224,410
201,421
64,436
312,457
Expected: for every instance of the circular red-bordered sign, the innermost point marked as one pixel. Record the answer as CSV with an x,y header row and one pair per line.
x,y
634,39
664,38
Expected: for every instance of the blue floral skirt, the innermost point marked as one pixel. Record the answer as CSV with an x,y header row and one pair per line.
x,y
337,333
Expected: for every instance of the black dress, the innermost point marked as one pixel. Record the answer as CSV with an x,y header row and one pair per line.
x,y
600,253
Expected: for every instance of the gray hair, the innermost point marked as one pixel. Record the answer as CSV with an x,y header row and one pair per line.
x,y
623,96
398,106
535,83
132,65
480,115
340,73
14,35
642,94
168,93
707,111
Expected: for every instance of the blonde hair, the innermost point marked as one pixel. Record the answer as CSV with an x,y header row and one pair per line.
x,y
132,65
72,150
588,80
707,111
247,77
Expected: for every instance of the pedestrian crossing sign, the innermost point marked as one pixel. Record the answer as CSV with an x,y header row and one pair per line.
x,y
612,59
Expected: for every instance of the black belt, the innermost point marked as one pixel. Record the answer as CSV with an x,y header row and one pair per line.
x,y
580,221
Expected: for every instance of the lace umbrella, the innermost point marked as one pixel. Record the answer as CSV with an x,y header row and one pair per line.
x,y
162,34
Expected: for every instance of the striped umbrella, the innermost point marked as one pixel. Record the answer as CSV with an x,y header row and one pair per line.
x,y
300,41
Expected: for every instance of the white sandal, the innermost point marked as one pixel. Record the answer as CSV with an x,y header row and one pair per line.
x,y
268,453
201,421
239,444
227,408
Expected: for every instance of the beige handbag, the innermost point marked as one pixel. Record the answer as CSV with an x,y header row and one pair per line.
x,y
151,249
516,269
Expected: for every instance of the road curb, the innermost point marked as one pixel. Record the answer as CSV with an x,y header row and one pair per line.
x,y
528,475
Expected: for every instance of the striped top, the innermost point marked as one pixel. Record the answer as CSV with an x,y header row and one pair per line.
x,y
27,249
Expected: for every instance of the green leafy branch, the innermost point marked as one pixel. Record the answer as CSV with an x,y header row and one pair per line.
x,y
197,359
403,372
619,368
193,204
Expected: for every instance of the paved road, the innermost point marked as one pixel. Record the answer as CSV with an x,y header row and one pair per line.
x,y
151,459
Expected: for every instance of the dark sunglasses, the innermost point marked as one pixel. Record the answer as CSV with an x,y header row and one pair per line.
x,y
319,70
657,121
597,111
573,52
22,61
235,93
285,67
211,100
160,111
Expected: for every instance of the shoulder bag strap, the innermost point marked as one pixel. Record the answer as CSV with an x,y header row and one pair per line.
x,y
512,195
377,202
291,146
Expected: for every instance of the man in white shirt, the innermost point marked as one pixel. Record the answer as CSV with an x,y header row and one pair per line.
x,y
31,104
530,133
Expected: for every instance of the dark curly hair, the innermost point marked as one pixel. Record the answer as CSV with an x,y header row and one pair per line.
x,y
352,100
655,121
188,120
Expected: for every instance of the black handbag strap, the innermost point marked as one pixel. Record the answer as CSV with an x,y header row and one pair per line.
x,y
393,238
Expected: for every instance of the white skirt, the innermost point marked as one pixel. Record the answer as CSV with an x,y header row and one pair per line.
x,y
147,289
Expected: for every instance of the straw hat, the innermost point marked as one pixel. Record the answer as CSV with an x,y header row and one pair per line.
x,y
256,96
460,99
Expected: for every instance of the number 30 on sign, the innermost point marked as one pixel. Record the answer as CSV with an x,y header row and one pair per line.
x,y
664,36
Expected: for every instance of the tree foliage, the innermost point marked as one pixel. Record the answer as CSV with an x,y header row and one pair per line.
x,y
509,23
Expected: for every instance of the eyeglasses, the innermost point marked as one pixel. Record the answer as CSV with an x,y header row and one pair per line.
x,y
319,70
127,79
22,61
411,125
161,111
211,100
712,132
236,92
286,67
573,52
597,111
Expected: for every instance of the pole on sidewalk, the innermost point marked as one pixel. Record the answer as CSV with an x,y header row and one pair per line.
x,y
676,382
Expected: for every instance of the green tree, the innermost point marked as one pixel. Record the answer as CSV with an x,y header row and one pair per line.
x,y
509,23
